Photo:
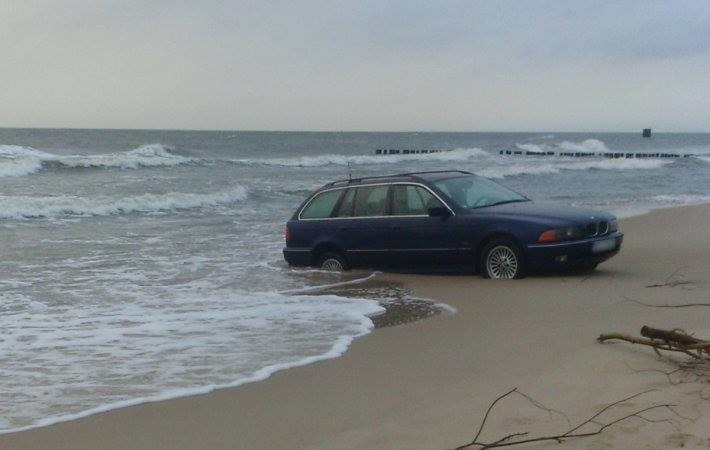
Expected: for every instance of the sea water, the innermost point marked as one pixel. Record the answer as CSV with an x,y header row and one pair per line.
x,y
143,265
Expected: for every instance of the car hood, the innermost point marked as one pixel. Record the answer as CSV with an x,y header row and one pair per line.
x,y
547,212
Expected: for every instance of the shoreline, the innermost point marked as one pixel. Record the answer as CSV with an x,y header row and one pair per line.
x,y
379,348
398,311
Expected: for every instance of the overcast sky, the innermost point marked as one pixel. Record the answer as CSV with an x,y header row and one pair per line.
x,y
356,65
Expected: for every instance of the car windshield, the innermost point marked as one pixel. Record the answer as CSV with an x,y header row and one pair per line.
x,y
476,192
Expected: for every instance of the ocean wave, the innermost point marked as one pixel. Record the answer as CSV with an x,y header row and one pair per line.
x,y
19,161
24,207
460,154
588,145
688,199
221,329
144,156
555,167
532,147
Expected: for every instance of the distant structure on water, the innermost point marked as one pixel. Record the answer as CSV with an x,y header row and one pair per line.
x,y
646,132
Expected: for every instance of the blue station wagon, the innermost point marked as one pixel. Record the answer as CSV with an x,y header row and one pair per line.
x,y
444,220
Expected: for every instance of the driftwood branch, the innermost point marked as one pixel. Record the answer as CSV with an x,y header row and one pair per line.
x,y
574,432
673,280
666,305
667,340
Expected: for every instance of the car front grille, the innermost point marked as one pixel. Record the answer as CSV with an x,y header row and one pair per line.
x,y
603,227
597,228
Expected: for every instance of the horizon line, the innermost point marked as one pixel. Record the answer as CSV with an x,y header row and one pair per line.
x,y
347,131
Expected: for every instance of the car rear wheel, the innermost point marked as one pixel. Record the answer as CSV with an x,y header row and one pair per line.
x,y
502,259
332,262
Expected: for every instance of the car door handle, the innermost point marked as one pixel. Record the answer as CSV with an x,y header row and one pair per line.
x,y
396,228
343,228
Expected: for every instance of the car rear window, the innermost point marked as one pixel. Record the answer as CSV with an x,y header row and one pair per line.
x,y
322,205
371,201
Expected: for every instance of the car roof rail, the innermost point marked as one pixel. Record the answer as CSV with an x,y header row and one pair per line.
x,y
434,171
379,177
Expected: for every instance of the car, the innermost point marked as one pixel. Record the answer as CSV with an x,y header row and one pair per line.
x,y
444,220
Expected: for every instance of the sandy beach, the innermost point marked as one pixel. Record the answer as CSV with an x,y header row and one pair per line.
x,y
427,384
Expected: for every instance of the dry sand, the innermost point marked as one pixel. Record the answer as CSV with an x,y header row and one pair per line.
x,y
426,385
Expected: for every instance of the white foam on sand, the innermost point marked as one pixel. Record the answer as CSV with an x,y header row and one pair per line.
x,y
136,353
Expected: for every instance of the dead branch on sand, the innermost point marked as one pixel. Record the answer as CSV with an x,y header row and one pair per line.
x,y
666,305
690,372
667,340
673,280
574,432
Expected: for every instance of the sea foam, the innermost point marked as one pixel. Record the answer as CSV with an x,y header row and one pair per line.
x,y
461,154
145,156
588,145
172,348
23,207
19,161
547,166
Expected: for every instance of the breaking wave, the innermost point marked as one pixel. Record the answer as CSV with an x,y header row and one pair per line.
x,y
19,161
460,154
588,145
532,168
688,199
16,161
144,156
26,207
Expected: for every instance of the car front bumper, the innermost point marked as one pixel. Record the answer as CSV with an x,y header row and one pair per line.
x,y
574,253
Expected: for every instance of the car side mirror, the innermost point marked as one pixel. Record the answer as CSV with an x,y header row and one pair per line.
x,y
438,211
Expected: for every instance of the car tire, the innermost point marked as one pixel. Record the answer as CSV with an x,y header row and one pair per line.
x,y
502,259
333,262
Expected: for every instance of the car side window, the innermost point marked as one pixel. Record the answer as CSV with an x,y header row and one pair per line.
x,y
410,200
321,207
371,201
429,200
347,204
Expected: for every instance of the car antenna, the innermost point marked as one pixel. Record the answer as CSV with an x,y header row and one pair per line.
x,y
347,161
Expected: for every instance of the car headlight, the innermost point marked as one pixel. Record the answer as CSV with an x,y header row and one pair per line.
x,y
613,226
561,234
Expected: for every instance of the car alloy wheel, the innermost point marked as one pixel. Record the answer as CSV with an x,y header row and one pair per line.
x,y
332,265
332,262
502,263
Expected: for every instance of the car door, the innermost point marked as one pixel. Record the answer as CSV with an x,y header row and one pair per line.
x,y
415,238
363,224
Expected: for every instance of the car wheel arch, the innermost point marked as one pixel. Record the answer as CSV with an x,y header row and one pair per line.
x,y
326,247
491,237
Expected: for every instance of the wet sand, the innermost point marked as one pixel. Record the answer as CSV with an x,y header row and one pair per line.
x,y
426,384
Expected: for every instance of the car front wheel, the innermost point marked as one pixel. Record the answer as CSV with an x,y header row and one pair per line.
x,y
502,259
